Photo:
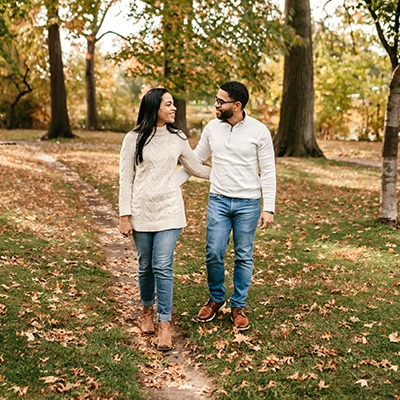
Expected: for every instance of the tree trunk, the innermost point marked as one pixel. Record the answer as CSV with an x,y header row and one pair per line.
x,y
12,121
388,202
92,117
180,120
295,136
59,124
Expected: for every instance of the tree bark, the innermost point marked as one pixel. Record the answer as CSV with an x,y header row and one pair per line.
x,y
59,124
92,117
295,136
11,121
180,119
388,199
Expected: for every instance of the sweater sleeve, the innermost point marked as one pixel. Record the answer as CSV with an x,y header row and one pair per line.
x,y
266,159
191,163
127,173
202,152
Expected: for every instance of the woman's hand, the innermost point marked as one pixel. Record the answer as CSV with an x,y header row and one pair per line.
x,y
125,226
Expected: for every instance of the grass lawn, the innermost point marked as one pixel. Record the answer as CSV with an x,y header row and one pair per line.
x,y
324,303
59,331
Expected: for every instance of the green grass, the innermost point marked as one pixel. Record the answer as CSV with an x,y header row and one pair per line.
x,y
323,304
58,324
324,297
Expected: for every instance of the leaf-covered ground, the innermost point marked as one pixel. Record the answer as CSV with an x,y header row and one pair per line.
x,y
324,301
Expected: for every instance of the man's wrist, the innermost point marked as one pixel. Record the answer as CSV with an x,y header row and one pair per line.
x,y
269,212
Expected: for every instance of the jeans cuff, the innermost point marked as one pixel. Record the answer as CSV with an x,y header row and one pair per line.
x,y
148,303
164,317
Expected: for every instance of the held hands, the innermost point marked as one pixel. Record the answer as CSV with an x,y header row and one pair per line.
x,y
266,220
125,226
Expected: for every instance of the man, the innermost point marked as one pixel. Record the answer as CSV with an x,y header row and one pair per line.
x,y
241,147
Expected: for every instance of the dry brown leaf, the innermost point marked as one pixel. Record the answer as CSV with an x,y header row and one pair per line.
x,y
322,385
362,382
240,338
327,336
297,377
50,379
21,391
394,338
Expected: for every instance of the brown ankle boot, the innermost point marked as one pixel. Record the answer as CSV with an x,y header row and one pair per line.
x,y
147,321
164,336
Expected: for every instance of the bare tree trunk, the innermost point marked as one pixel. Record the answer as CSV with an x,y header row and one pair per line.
x,y
388,201
295,136
180,120
59,125
92,117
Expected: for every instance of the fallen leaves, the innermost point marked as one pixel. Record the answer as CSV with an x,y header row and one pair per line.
x,y
322,351
156,376
322,385
362,382
394,338
273,363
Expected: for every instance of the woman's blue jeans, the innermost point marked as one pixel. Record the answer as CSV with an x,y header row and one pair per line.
x,y
224,215
155,257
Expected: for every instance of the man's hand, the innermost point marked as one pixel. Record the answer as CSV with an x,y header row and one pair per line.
x,y
266,220
125,226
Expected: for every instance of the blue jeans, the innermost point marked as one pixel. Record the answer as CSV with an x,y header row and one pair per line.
x,y
223,215
155,257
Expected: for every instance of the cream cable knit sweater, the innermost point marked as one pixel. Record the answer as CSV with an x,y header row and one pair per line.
x,y
149,192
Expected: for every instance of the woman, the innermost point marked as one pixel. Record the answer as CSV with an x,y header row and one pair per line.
x,y
151,204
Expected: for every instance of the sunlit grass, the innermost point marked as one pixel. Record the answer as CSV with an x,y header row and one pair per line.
x,y
324,300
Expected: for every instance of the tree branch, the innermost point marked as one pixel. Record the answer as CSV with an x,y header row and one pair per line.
x,y
391,50
114,33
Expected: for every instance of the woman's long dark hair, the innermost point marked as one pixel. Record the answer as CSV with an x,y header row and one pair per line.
x,y
147,120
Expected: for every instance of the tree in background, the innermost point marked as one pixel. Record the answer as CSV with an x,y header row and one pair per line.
x,y
59,123
15,64
115,93
85,18
347,107
386,16
296,137
191,50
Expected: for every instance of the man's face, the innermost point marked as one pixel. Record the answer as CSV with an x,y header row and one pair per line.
x,y
224,105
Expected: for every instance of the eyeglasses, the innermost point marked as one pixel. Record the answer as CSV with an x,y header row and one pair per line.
x,y
221,102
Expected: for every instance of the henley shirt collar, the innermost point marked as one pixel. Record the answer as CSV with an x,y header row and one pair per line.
x,y
239,123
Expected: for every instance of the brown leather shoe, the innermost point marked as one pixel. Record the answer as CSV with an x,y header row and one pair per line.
x,y
164,336
147,321
239,319
208,311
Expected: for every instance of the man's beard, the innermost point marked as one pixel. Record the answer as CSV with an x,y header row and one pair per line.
x,y
225,115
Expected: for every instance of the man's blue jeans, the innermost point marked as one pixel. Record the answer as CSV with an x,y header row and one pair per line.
x,y
155,257
223,215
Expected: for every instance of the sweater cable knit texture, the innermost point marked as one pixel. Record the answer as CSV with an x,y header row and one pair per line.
x,y
149,192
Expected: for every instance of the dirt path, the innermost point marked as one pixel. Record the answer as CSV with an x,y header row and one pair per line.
x,y
180,378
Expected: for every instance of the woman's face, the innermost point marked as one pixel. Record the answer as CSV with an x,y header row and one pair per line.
x,y
167,110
